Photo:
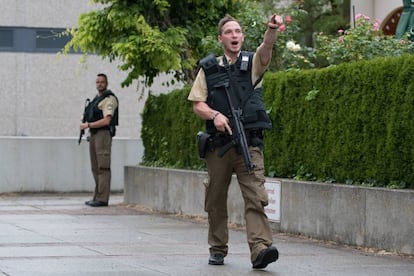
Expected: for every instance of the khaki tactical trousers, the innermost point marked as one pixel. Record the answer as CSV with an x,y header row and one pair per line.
x,y
255,197
100,153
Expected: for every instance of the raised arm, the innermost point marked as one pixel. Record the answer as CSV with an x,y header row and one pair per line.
x,y
264,51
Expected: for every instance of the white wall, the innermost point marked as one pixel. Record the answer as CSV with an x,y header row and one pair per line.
x,y
375,9
43,94
42,13
50,164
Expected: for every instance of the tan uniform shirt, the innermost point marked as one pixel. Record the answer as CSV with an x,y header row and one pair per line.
x,y
199,89
108,105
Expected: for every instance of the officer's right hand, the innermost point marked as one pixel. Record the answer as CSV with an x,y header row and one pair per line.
x,y
222,124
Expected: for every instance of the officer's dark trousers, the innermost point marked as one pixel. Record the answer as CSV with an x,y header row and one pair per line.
x,y
100,153
255,197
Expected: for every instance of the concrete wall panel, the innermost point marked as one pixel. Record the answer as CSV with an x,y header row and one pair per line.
x,y
320,210
390,219
40,164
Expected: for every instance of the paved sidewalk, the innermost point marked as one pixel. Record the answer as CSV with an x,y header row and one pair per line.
x,y
59,235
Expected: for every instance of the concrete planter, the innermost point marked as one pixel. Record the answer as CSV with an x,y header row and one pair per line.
x,y
360,216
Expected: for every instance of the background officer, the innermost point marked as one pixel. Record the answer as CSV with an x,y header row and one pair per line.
x,y
101,117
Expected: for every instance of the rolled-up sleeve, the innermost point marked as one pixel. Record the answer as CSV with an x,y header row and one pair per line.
x,y
108,106
198,91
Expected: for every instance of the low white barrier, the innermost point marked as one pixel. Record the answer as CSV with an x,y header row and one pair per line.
x,y
49,164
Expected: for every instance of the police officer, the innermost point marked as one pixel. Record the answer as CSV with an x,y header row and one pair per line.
x,y
240,73
101,119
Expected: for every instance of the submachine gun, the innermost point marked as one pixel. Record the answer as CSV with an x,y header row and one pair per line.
x,y
82,131
239,136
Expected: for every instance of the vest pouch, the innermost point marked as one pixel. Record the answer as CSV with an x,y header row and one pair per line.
x,y
262,120
254,112
251,108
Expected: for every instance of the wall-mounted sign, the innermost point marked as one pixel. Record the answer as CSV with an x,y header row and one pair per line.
x,y
273,209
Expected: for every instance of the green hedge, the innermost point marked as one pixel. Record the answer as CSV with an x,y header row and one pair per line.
x,y
169,129
351,123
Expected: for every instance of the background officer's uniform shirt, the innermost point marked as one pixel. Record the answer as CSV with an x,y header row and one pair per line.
x,y
108,106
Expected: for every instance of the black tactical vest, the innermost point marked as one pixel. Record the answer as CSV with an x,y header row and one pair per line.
x,y
237,79
93,113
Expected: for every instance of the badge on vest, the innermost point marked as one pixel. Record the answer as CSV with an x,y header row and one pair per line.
x,y
244,63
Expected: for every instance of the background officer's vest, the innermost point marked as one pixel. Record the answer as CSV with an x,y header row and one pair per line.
x,y
93,113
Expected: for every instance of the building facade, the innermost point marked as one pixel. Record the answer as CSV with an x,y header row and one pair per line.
x,y
43,93
375,9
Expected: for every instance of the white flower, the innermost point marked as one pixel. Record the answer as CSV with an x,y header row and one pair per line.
x,y
291,46
296,48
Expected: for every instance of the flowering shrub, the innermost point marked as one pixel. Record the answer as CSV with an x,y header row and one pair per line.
x,y
364,41
288,53
295,56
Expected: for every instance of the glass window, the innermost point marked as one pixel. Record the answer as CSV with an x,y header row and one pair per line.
x,y
51,39
6,38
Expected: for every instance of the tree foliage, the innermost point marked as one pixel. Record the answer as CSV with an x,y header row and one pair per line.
x,y
325,16
149,37
165,36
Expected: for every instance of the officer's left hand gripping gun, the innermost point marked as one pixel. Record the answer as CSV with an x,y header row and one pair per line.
x,y
82,131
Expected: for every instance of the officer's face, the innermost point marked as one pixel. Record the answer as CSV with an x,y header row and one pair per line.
x,y
101,84
231,37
